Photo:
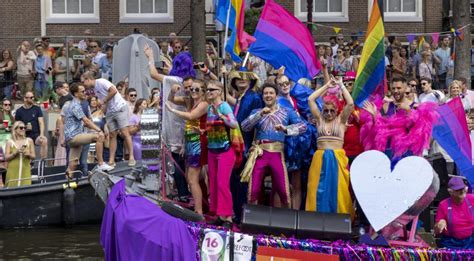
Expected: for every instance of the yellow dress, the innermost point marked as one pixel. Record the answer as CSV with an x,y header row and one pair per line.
x,y
18,168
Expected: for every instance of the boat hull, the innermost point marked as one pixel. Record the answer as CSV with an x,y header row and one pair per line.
x,y
45,205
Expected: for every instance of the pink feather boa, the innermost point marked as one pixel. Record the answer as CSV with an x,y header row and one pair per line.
x,y
406,132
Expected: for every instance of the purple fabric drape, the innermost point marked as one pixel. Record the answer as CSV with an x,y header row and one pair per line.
x,y
133,228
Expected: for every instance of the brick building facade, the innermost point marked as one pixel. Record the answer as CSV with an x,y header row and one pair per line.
x,y
426,18
33,18
29,18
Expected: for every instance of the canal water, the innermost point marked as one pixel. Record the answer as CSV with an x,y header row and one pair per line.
x,y
51,243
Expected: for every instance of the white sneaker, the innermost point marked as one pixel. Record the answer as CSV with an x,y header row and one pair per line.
x,y
105,167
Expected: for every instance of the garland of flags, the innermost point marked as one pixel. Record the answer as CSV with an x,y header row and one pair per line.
x,y
459,32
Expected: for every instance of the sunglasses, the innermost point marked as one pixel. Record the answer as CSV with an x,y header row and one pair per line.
x,y
132,95
284,84
29,97
6,104
211,90
329,111
339,51
412,85
177,47
21,127
195,89
93,46
340,38
424,83
407,93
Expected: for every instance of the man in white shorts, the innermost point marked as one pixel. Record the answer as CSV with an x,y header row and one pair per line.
x,y
116,114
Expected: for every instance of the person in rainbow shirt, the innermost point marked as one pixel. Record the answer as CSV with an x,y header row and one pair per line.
x,y
221,153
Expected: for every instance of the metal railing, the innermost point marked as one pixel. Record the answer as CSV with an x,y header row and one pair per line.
x,y
42,179
42,165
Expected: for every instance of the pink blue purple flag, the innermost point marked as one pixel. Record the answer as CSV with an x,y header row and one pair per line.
x,y
452,134
282,40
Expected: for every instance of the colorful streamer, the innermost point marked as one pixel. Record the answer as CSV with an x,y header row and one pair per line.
x,y
346,250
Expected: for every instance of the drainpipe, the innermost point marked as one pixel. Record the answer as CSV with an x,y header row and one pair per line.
x,y
43,17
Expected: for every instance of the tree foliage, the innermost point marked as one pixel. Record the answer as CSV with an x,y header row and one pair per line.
x,y
252,15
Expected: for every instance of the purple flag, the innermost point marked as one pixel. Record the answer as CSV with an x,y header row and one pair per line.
x,y
133,228
410,37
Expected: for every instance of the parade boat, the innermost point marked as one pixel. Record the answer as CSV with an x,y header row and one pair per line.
x,y
52,199
137,207
135,201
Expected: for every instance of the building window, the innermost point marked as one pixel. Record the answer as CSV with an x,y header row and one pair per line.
x,y
72,11
324,10
472,8
401,10
146,11
210,12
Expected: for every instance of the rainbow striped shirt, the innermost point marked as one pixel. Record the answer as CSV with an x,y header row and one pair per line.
x,y
217,136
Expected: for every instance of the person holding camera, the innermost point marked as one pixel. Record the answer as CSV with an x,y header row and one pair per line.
x,y
20,150
202,67
154,99
43,67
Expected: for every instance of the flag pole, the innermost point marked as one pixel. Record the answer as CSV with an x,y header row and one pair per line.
x,y
224,45
226,30
244,63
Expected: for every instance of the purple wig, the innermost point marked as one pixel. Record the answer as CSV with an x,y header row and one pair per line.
x,y
183,66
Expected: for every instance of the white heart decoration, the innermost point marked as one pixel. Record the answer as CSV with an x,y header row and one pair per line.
x,y
385,195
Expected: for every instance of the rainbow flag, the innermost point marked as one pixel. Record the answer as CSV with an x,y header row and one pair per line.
x,y
451,132
239,40
282,40
371,70
421,41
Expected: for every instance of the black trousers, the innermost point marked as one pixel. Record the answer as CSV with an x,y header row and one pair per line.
x,y
179,178
239,192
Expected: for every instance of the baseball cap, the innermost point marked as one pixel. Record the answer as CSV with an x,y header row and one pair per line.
x,y
456,183
57,85
350,76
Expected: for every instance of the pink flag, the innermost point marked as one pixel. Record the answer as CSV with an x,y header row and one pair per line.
x,y
435,37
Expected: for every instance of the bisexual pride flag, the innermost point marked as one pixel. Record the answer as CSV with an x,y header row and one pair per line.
x,y
282,40
451,132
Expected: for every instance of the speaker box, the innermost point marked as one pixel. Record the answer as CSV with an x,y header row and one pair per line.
x,y
258,219
318,225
